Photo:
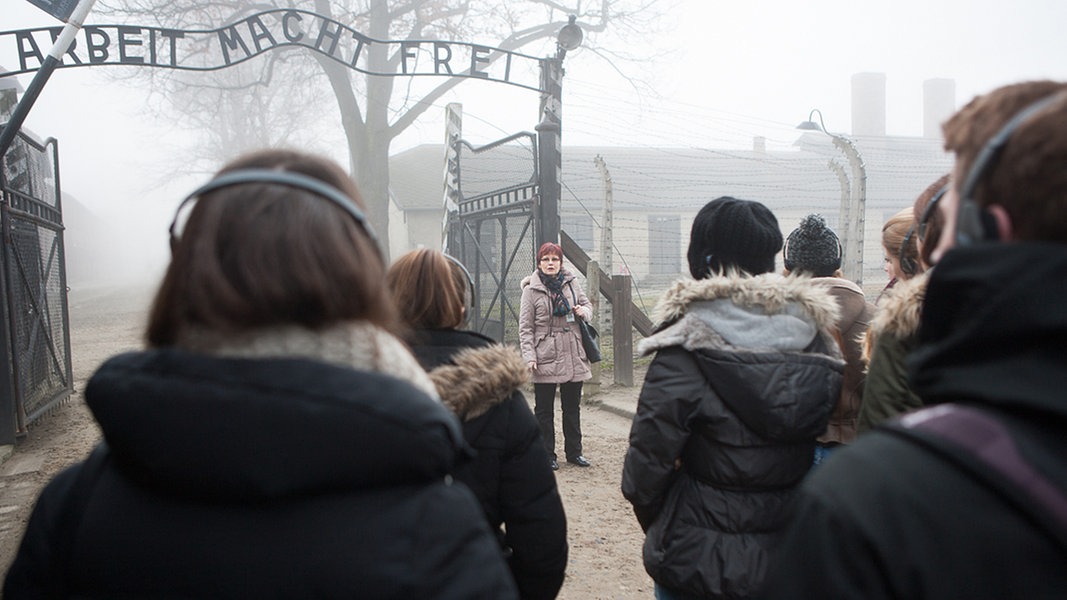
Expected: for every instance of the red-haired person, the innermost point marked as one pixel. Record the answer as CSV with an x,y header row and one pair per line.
x,y
551,344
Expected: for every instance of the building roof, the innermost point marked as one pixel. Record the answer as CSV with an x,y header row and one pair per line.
x,y
681,180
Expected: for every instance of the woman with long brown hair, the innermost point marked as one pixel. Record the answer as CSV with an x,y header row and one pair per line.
x,y
276,439
479,381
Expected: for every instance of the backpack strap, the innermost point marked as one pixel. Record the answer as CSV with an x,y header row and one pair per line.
x,y
976,441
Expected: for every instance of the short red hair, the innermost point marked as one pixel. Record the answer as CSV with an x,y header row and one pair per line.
x,y
549,248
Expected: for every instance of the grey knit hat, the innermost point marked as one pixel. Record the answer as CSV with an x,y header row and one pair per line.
x,y
813,248
729,233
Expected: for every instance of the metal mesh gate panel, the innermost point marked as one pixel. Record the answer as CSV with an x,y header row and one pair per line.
x,y
492,229
36,323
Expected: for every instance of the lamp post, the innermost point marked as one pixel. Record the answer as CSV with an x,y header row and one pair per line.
x,y
853,199
550,157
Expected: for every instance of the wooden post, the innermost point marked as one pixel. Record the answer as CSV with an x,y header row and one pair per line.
x,y
592,282
621,333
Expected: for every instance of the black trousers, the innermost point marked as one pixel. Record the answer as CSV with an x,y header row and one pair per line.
x,y
570,395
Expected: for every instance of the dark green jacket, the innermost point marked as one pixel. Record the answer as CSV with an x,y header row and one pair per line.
x,y
892,337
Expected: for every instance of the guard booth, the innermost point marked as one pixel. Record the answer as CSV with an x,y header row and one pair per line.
x,y
35,325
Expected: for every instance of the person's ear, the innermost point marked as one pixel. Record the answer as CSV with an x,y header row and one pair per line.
x,y
1002,220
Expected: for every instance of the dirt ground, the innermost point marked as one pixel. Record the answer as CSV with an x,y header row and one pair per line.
x,y
605,540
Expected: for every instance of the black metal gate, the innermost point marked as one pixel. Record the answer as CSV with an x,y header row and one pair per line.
x,y
35,330
491,228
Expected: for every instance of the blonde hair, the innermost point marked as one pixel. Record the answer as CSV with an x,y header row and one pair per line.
x,y
897,242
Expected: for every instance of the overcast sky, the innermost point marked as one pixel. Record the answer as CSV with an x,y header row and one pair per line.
x,y
733,70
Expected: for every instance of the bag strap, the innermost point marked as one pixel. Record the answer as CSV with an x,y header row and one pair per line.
x,y
976,441
570,284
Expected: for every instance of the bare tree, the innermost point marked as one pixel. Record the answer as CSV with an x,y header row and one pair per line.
x,y
257,103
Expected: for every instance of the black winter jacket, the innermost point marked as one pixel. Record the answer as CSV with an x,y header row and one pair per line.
x,y
479,380
887,518
744,379
262,478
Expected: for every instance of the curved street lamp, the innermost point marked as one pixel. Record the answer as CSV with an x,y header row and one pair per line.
x,y
570,36
853,199
549,144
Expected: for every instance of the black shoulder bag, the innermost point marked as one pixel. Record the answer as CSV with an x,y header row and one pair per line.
x,y
590,336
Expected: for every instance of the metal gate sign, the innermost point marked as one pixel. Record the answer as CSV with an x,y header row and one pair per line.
x,y
213,49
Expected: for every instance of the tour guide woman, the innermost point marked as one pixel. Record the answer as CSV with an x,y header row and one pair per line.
x,y
552,347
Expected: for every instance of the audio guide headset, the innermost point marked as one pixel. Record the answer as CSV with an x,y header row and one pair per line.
x,y
468,303
907,263
287,178
973,223
928,213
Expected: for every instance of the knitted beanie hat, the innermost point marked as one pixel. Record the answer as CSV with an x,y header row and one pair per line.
x,y
813,248
731,233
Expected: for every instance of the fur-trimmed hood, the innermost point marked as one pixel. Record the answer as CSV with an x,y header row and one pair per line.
x,y
735,311
898,313
479,379
900,309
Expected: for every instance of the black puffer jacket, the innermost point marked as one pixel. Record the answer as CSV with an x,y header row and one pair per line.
x,y
904,522
478,380
745,376
262,478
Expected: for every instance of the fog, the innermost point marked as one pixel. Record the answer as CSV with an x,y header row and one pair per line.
x,y
728,73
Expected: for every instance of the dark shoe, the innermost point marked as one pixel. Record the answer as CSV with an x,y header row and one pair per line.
x,y
554,464
580,461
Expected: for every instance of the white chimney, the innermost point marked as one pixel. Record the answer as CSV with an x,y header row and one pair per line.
x,y
868,104
939,103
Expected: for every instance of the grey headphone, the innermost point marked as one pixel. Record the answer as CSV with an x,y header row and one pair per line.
x,y
469,304
287,178
972,223
907,264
